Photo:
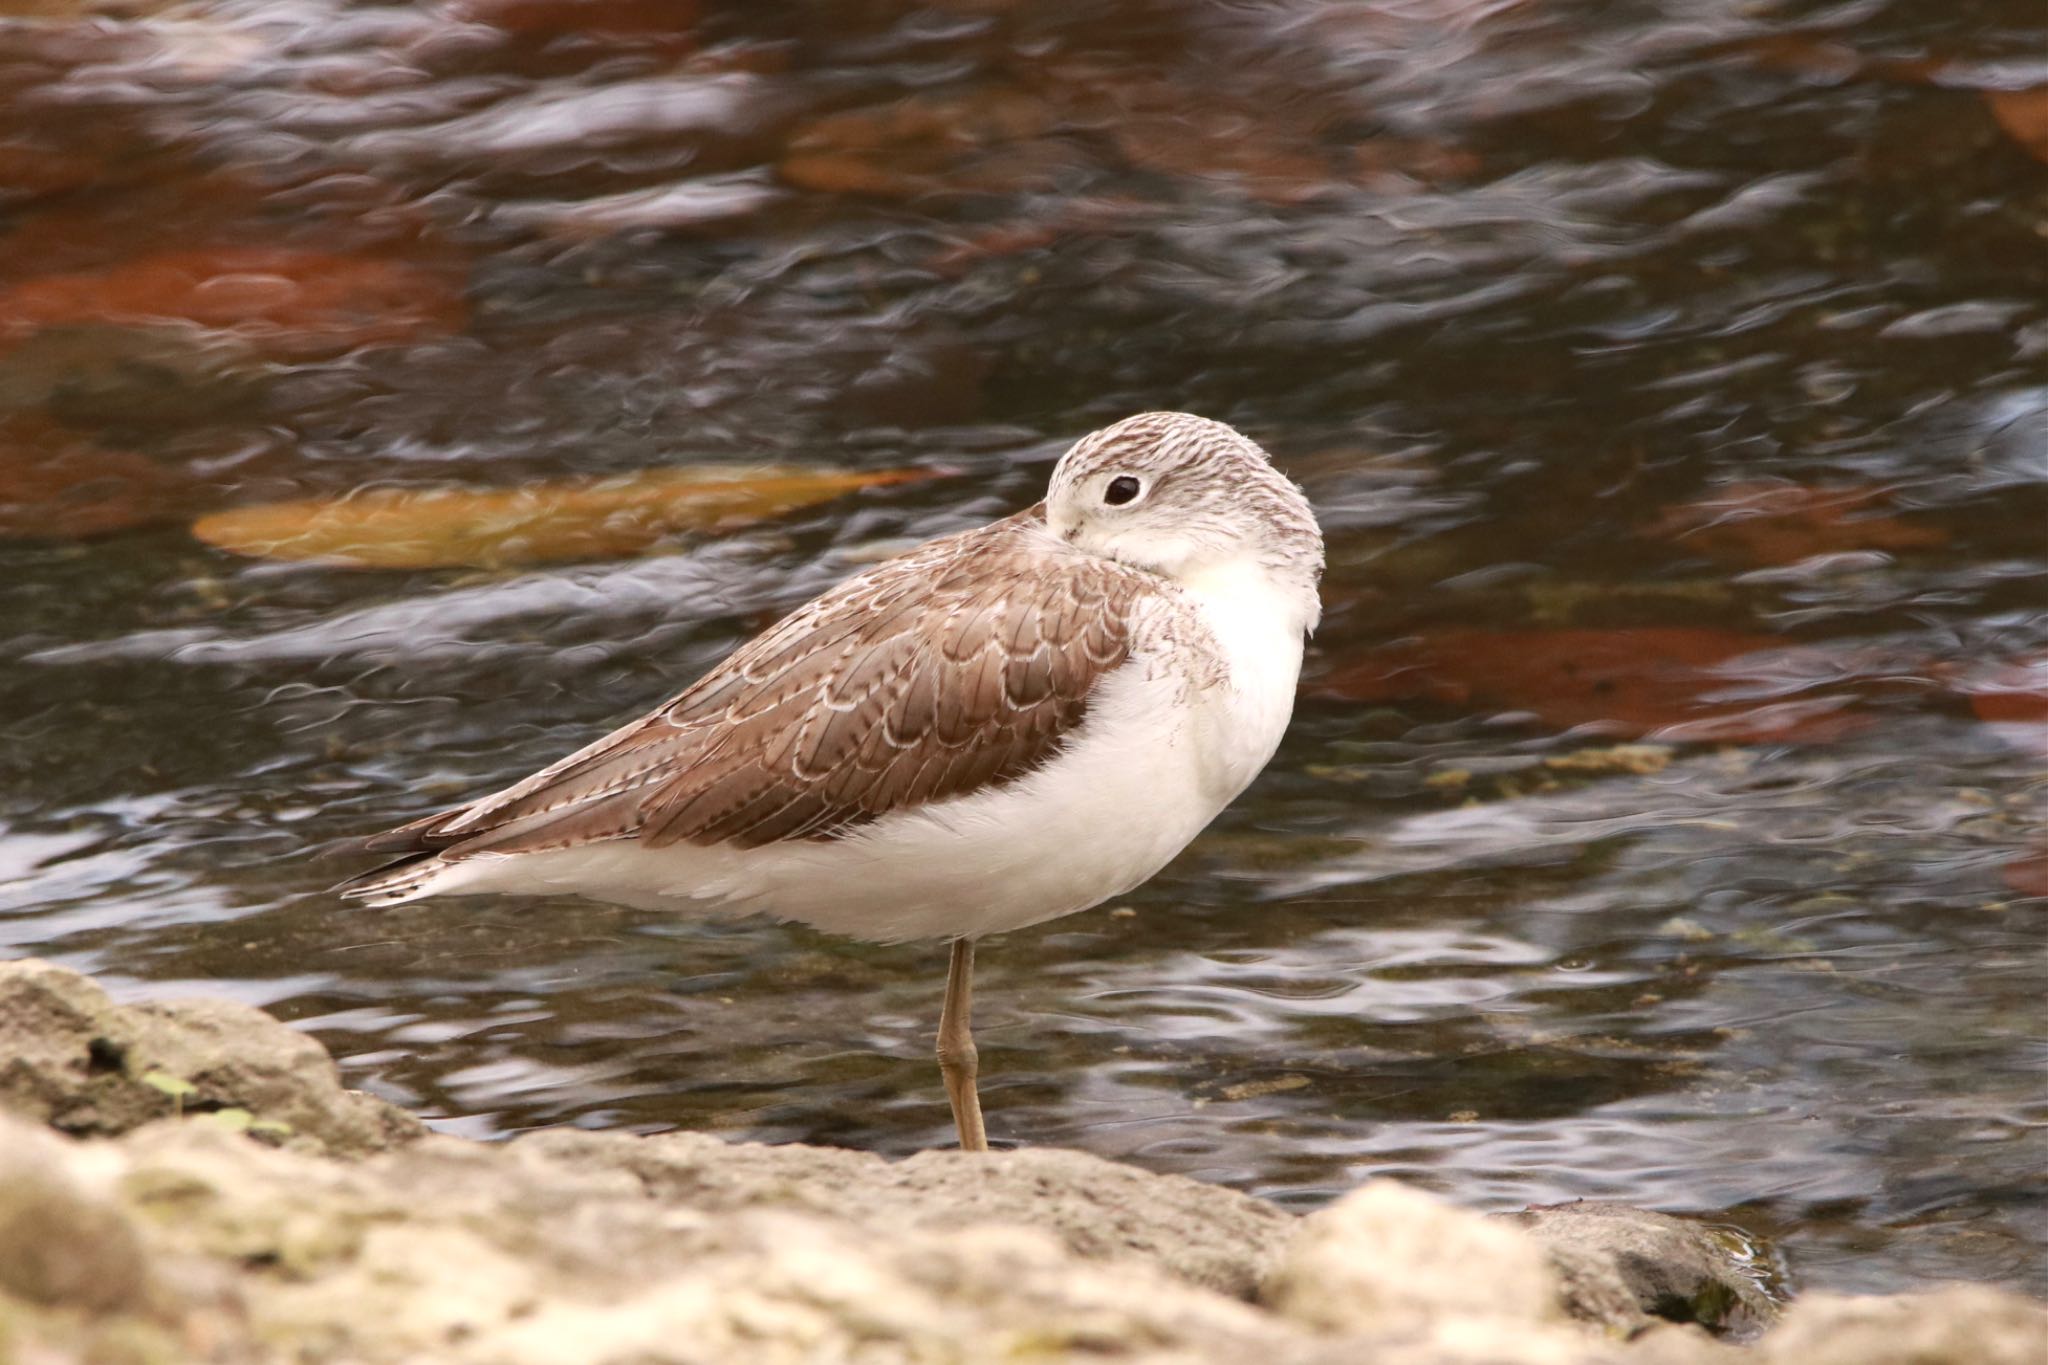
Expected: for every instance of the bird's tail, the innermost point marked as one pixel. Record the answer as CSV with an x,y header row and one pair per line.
x,y
395,883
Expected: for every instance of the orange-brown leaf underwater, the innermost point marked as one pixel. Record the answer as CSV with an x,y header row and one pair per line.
x,y
539,523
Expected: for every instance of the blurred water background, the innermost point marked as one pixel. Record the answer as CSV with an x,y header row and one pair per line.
x,y
1662,820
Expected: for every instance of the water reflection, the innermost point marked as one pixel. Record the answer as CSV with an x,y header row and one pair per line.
x,y
1662,819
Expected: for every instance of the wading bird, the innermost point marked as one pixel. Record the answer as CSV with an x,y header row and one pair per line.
x,y
995,729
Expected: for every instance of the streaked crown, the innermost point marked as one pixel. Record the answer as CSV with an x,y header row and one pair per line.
x,y
1176,493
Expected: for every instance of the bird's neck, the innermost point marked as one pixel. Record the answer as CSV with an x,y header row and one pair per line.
x,y
1253,586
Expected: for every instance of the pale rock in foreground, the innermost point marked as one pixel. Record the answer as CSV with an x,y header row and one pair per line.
x,y
63,1242
1962,1324
240,1237
1388,1256
1391,1264
1203,1234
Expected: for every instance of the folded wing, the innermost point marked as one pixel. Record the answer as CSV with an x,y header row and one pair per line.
x,y
962,665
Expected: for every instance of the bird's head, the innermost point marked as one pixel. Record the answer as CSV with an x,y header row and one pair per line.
x,y
1179,495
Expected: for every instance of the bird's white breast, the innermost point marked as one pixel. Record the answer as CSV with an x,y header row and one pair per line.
x,y
1258,625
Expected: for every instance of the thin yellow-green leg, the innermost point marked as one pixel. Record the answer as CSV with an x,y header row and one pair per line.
x,y
957,1057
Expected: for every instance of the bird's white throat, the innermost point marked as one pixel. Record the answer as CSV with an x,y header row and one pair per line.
x,y
1259,620
1245,585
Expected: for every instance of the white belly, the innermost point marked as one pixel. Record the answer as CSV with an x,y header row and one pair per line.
x,y
1154,761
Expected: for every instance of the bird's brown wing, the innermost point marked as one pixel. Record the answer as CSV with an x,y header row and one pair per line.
x,y
961,665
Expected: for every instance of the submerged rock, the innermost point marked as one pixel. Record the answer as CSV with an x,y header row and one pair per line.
x,y
187,1240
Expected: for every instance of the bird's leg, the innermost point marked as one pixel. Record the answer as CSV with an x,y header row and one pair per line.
x,y
957,1056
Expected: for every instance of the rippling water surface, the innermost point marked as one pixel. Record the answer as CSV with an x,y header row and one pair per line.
x,y
1662,820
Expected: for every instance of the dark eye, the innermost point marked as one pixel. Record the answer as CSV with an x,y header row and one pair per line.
x,y
1121,490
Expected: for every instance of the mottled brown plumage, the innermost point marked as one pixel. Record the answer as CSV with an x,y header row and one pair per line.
x,y
927,677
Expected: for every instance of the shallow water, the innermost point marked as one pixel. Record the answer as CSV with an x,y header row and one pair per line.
x,y
1671,374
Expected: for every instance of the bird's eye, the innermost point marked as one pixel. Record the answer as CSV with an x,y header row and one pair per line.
x,y
1121,490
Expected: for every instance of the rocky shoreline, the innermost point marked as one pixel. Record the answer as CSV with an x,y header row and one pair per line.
x,y
189,1182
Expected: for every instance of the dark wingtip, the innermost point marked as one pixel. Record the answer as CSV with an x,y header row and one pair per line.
x,y
370,886
413,837
404,839
359,846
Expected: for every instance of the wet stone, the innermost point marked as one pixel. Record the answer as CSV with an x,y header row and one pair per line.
x,y
1623,1268
73,1059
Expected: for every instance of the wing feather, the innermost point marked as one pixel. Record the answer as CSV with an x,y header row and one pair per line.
x,y
962,665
